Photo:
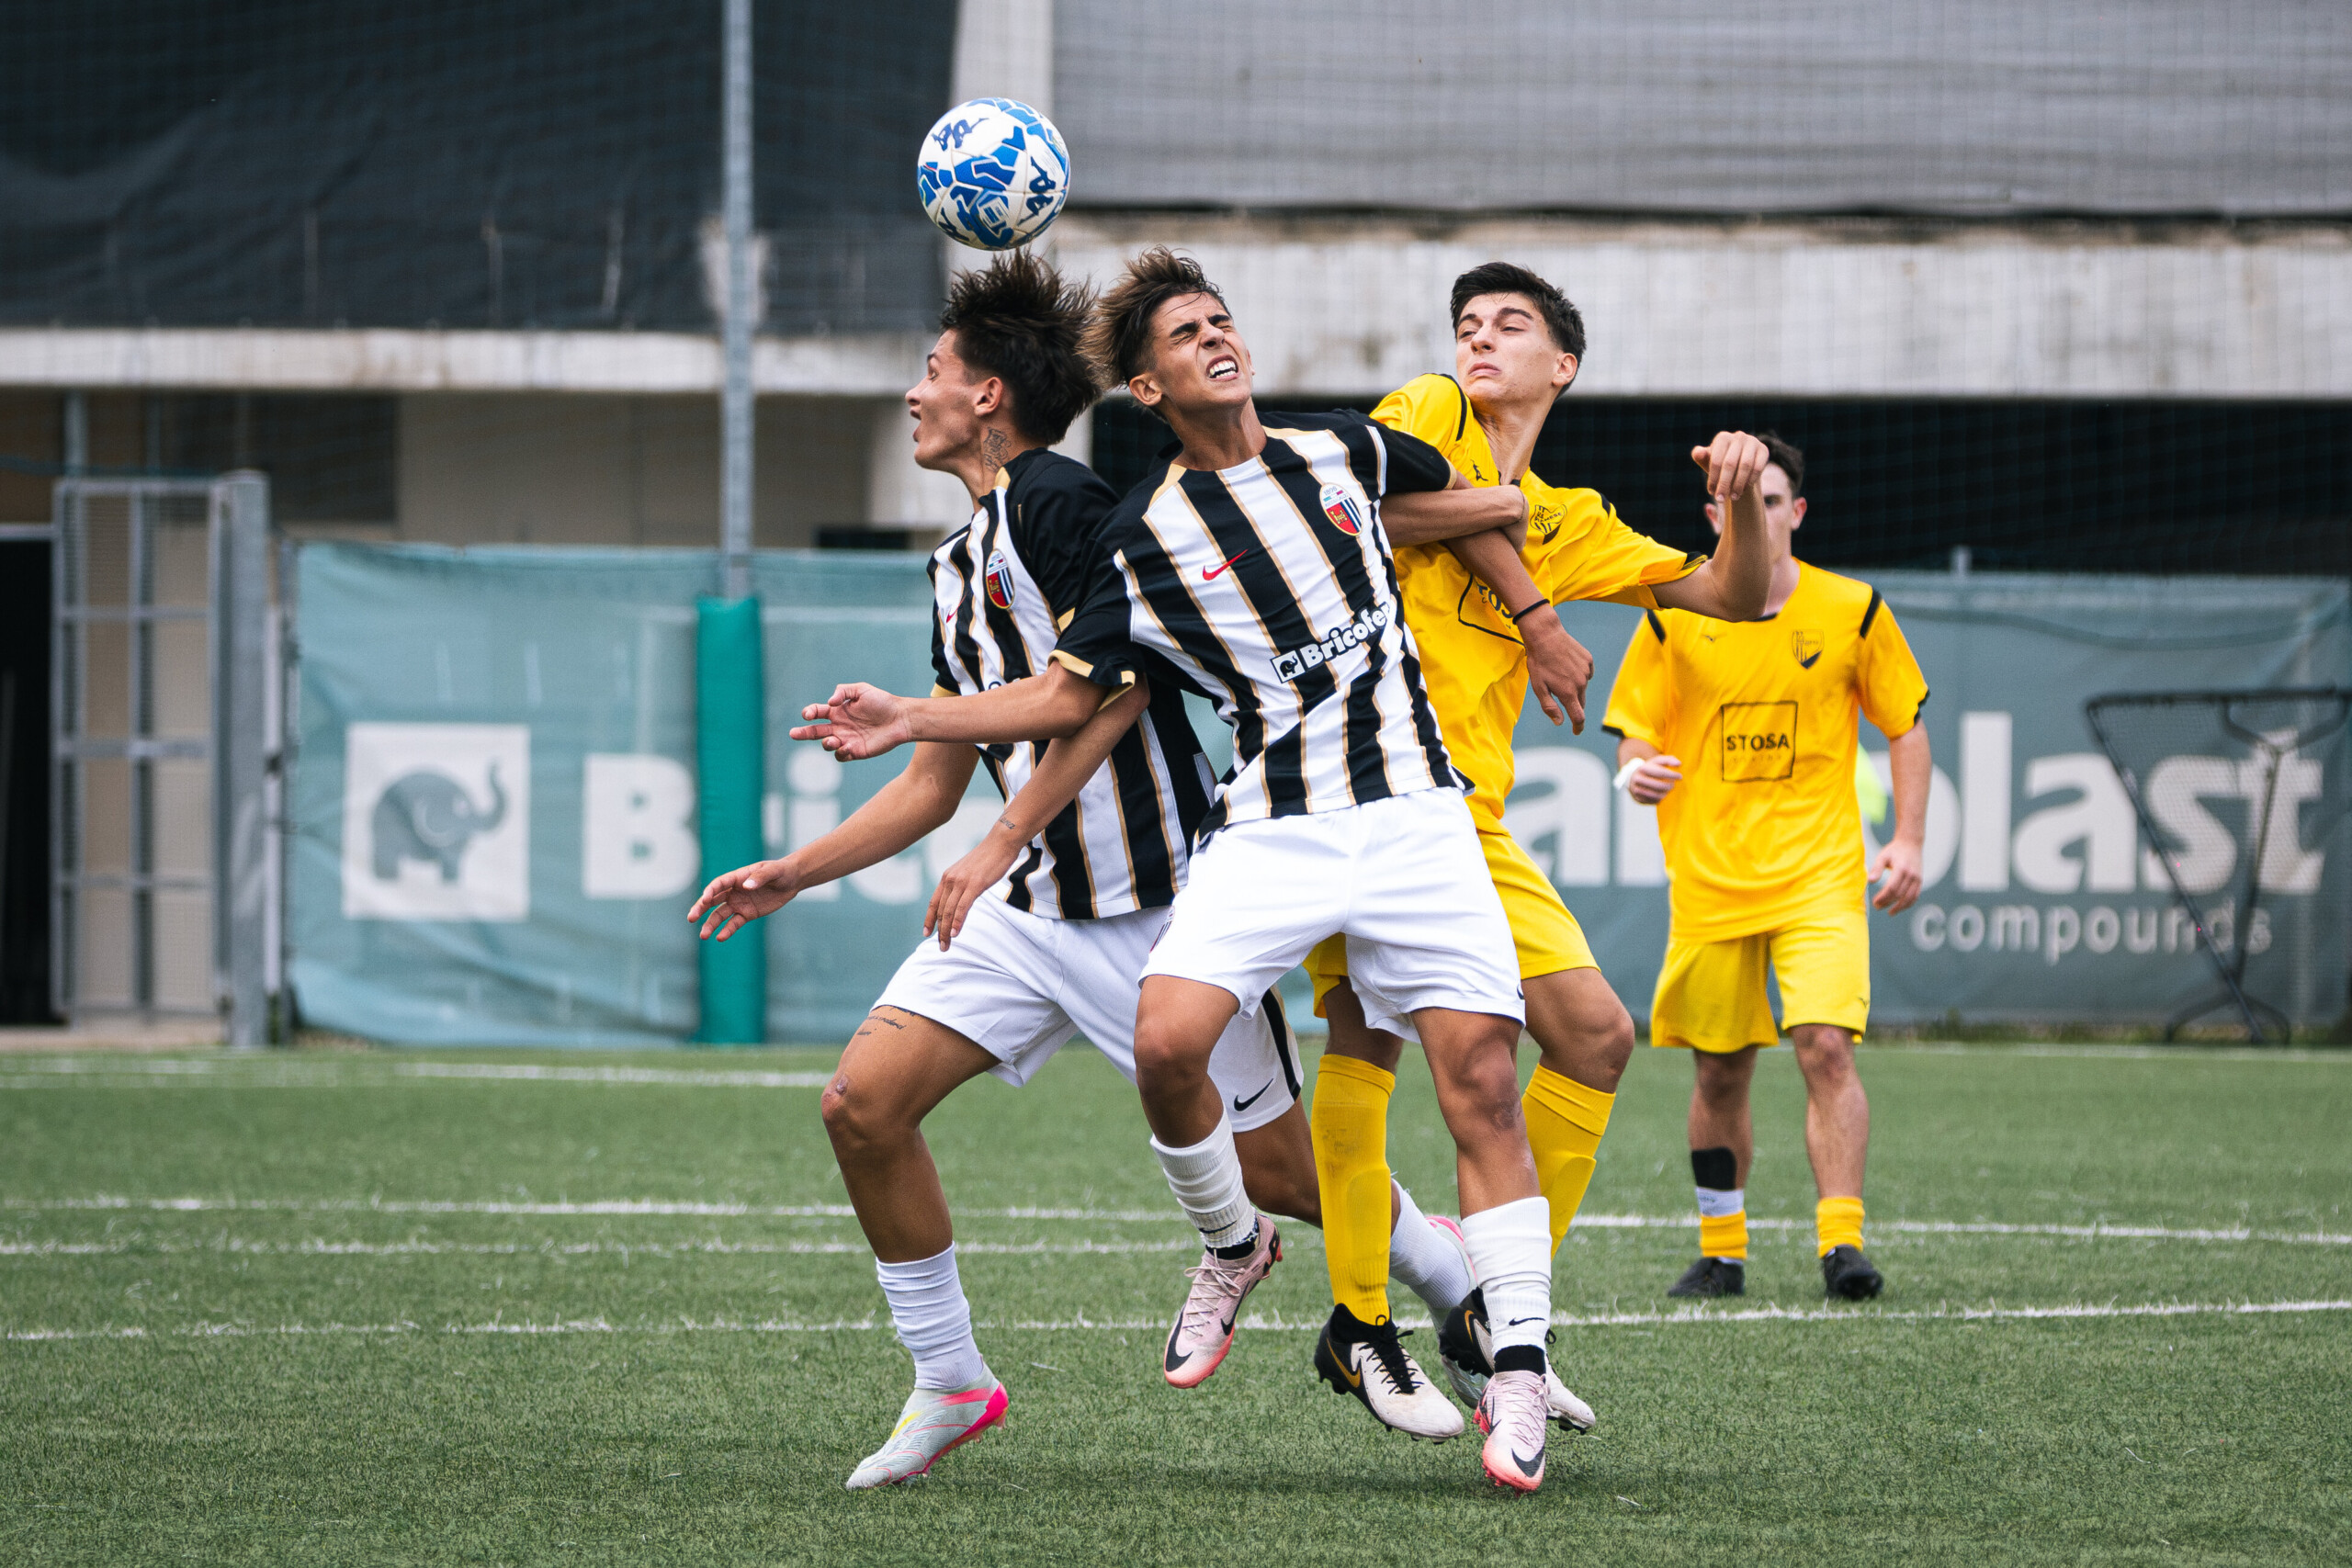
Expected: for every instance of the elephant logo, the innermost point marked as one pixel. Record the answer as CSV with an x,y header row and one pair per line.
x,y
429,815
436,822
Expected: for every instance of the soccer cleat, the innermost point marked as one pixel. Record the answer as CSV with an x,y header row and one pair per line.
x,y
1368,1360
1462,1346
935,1421
1465,1351
1712,1277
1845,1272
1203,1330
1511,1413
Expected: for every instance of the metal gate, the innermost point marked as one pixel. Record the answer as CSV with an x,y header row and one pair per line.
x,y
164,896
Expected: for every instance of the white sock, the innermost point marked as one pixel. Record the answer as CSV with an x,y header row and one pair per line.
x,y
1426,1259
1206,1179
933,1320
1510,1248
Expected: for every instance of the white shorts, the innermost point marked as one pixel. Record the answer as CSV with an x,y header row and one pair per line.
x,y
1404,878
1020,986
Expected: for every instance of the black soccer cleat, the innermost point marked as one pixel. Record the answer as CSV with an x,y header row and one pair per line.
x,y
1712,1277
1846,1273
1462,1346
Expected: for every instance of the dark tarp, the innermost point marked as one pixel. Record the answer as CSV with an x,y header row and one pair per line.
x,y
526,163
2234,108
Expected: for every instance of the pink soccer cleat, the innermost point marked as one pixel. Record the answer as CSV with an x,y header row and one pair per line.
x,y
1203,1330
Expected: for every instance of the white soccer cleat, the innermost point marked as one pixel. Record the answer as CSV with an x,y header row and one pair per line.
x,y
1370,1363
1573,1414
1203,1329
935,1421
1512,1412
1466,1353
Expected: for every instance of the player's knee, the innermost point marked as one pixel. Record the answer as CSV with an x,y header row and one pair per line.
x,y
1825,1052
1613,1038
855,1121
1163,1053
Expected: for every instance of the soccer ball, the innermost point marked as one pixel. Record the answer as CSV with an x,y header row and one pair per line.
x,y
992,174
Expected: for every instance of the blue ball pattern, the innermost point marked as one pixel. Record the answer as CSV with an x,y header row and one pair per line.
x,y
992,174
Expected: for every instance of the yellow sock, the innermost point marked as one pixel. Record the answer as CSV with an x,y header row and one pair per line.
x,y
1837,1221
1724,1236
1565,1121
1350,1125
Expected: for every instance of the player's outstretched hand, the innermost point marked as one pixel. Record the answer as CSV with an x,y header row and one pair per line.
x,y
1733,461
1896,870
741,896
967,883
1558,668
859,721
1655,778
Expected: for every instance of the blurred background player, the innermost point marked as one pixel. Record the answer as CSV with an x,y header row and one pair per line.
x,y
1481,619
1744,736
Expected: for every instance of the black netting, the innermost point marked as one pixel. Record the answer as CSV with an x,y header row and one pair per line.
x,y
2239,796
2108,486
317,162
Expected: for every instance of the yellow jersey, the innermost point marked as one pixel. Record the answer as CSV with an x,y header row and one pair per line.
x,y
1764,829
1472,658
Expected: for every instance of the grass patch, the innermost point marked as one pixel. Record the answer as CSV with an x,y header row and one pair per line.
x,y
382,1307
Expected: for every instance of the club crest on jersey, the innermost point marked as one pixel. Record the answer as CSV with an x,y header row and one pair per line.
x,y
1807,646
1341,505
1000,576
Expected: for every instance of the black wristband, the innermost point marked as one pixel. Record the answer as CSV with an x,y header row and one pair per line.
x,y
1515,616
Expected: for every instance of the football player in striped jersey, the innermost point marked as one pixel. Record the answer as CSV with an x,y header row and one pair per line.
x,y
1255,567
1057,948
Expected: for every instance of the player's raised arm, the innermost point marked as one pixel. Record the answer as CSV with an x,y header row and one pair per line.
x,y
1055,783
859,721
919,799
1736,583
1425,517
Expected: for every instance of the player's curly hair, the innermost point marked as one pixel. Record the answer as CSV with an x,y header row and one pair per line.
x,y
1561,318
1787,457
1019,321
1119,337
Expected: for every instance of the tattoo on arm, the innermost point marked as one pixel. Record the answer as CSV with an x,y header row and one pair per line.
x,y
1008,824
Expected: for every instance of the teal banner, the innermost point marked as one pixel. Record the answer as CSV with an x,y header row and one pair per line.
x,y
497,826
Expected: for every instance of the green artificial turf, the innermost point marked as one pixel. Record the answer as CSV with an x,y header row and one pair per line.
x,y
386,1308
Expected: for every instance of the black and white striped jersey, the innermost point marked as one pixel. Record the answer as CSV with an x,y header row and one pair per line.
x,y
1269,587
1002,588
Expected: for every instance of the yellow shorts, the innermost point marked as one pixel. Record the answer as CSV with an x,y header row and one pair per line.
x,y
1546,936
1711,994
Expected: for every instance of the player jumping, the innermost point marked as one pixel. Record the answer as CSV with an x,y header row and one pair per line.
x,y
1058,948
1256,565
1744,736
1518,344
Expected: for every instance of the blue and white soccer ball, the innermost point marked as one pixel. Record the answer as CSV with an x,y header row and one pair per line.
x,y
992,174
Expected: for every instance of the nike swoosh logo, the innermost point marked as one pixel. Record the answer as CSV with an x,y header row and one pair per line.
x,y
1210,574
1517,1321
1355,1378
1527,1466
1241,1104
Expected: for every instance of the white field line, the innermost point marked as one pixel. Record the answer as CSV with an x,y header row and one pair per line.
x,y
315,1247
83,1072
1846,1316
2099,1230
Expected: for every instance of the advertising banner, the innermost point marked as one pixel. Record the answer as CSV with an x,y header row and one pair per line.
x,y
494,839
